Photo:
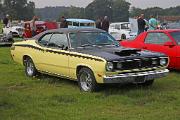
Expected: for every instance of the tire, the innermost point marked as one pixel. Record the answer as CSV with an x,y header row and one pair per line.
x,y
87,81
146,83
30,68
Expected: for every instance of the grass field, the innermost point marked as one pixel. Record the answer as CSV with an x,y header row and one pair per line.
x,y
51,98
1,26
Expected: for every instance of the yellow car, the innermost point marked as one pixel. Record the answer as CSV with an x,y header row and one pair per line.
x,y
89,56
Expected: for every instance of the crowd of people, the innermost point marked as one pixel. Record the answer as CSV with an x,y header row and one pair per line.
x,y
101,23
144,25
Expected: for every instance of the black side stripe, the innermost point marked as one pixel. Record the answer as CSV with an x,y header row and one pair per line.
x,y
29,46
58,52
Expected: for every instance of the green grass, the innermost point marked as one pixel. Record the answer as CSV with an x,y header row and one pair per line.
x,y
51,98
1,26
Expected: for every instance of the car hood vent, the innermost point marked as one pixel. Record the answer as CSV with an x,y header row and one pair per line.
x,y
127,52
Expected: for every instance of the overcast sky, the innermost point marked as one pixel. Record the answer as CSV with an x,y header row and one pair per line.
x,y
83,3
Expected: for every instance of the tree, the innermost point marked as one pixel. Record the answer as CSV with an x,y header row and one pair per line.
x,y
120,10
99,8
73,12
19,9
116,10
156,11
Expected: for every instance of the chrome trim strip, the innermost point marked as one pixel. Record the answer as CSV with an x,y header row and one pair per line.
x,y
139,77
137,74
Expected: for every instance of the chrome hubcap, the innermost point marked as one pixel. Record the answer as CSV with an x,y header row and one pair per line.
x,y
30,68
85,81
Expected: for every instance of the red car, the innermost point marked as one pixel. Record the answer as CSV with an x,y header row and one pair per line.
x,y
40,27
164,41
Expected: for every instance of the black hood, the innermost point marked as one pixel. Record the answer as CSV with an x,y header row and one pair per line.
x,y
111,53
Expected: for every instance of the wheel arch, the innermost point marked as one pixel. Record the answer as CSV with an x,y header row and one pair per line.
x,y
79,67
24,58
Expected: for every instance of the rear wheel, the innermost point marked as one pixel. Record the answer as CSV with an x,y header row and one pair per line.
x,y
86,80
30,68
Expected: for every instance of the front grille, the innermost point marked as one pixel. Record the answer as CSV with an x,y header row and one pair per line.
x,y
138,63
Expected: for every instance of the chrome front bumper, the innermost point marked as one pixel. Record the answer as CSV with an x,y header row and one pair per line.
x,y
138,77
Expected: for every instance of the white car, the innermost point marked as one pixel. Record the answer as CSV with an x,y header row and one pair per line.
x,y
121,30
6,39
17,31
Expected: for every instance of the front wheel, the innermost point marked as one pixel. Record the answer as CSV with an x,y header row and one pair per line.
x,y
87,81
30,68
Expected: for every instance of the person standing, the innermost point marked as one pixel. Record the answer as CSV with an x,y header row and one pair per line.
x,y
105,24
64,23
33,25
141,24
153,24
99,23
6,21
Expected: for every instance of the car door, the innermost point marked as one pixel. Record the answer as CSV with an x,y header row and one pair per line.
x,y
175,36
40,55
57,55
155,41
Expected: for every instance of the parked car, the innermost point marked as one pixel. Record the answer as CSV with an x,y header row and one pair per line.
x,y
121,30
80,23
41,26
89,56
16,31
6,39
164,41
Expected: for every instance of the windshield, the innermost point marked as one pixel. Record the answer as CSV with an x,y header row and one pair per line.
x,y
176,36
83,39
125,26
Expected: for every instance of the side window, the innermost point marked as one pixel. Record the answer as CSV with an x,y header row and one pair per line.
x,y
75,24
112,26
45,39
156,38
58,41
117,26
70,23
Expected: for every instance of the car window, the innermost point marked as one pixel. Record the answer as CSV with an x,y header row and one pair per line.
x,y
70,23
112,26
125,26
91,38
58,40
45,39
156,38
75,23
176,36
117,26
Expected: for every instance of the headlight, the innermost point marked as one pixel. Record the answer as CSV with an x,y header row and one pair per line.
x,y
119,65
109,66
163,61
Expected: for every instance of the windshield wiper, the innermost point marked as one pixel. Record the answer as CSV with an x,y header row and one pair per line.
x,y
85,45
105,44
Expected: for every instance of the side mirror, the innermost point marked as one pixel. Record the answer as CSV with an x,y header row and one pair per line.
x,y
170,44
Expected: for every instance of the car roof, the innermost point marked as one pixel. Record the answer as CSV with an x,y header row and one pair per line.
x,y
120,23
80,20
68,30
